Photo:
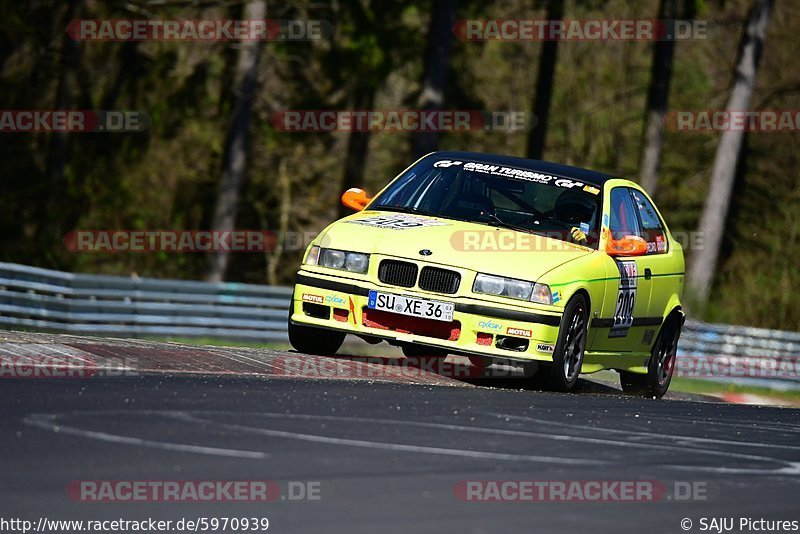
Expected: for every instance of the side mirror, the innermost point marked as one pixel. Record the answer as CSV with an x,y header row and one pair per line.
x,y
355,198
629,245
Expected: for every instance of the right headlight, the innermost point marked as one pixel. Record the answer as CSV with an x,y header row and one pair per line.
x,y
354,262
512,288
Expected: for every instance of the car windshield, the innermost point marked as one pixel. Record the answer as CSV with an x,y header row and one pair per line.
x,y
488,193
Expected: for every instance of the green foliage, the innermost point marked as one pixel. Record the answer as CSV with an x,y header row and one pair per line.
x,y
166,177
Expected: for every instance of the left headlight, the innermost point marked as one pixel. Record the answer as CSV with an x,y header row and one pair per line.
x,y
354,262
512,288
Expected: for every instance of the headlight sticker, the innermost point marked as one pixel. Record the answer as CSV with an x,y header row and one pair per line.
x,y
398,222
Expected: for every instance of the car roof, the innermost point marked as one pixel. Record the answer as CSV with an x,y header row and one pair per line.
x,y
556,169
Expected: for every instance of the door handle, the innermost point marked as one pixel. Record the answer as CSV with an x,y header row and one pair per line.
x,y
648,274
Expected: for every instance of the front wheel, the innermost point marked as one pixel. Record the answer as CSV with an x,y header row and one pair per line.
x,y
660,366
571,345
310,340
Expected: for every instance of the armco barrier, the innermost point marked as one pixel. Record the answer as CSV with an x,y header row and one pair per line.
x,y
42,299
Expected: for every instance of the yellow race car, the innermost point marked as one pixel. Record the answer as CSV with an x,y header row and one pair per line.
x,y
500,258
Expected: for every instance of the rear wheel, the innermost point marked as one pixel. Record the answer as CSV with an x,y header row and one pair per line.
x,y
571,345
310,340
660,366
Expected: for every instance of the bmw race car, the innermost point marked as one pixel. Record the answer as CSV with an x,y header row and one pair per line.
x,y
500,259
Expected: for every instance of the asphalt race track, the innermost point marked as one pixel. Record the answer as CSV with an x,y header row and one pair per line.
x,y
384,455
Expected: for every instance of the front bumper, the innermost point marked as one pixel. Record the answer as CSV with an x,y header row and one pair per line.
x,y
478,327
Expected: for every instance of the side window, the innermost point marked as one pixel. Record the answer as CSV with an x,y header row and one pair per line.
x,y
652,229
623,220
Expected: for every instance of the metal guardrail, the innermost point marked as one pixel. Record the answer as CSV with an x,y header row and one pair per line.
x,y
42,299
740,354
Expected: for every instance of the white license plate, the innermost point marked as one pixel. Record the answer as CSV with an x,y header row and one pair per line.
x,y
424,308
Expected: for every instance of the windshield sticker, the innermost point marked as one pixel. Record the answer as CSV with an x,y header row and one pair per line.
x,y
521,174
446,163
591,189
398,221
626,298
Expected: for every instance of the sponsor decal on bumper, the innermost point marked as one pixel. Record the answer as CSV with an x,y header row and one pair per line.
x,y
521,332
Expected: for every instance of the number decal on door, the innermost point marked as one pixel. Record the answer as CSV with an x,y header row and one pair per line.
x,y
626,299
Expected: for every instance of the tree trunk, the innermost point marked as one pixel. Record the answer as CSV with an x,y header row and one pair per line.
x,y
357,149
58,151
544,86
234,164
712,223
275,256
437,63
657,98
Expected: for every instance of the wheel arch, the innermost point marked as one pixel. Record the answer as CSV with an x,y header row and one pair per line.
x,y
585,292
673,307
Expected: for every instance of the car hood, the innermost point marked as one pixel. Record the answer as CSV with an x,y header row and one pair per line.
x,y
472,246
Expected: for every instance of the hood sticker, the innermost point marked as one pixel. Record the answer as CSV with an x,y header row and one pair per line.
x,y
399,221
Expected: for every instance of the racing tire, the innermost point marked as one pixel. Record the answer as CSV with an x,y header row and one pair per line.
x,y
570,347
660,366
310,340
